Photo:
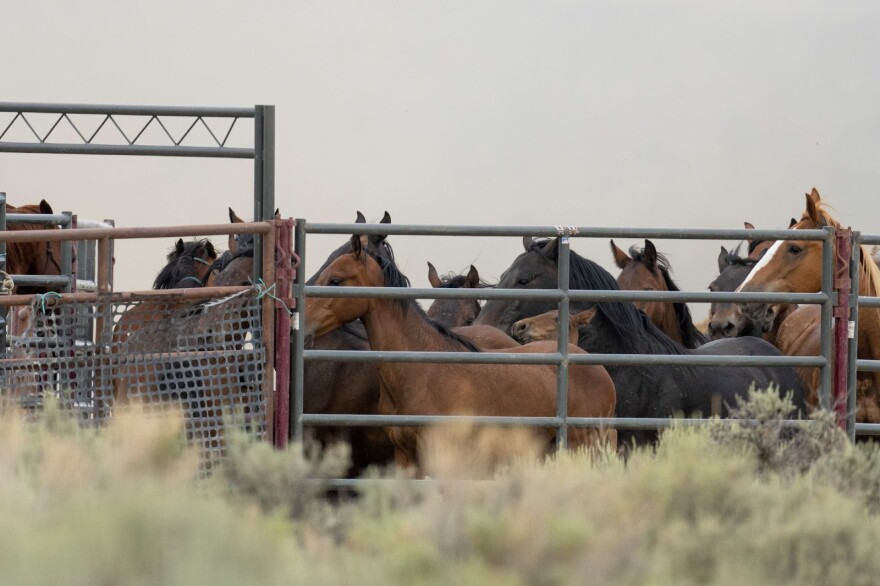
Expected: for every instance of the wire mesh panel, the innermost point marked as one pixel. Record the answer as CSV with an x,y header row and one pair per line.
x,y
204,359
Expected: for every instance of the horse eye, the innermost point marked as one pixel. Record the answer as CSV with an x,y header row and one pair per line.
x,y
335,282
523,281
469,321
794,249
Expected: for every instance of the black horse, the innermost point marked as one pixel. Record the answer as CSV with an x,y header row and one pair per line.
x,y
618,327
188,265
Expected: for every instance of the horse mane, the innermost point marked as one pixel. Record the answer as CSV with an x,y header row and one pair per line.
x,y
734,258
870,272
633,327
179,264
691,337
453,281
392,277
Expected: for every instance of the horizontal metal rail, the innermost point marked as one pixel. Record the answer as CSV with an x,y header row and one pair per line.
x,y
867,428
134,149
48,219
194,293
556,295
628,423
868,365
556,358
40,280
868,301
131,233
574,231
125,110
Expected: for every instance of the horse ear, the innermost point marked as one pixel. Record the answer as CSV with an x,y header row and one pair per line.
x,y
650,254
527,243
360,218
792,222
723,260
209,246
621,258
473,278
812,212
233,217
356,245
45,208
584,317
433,277
277,213
178,246
748,226
377,239
551,249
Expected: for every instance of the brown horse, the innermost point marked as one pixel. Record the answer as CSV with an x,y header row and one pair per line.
x,y
546,326
648,270
448,389
31,258
454,312
796,266
726,320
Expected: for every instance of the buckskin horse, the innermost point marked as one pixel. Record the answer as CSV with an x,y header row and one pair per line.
x,y
448,389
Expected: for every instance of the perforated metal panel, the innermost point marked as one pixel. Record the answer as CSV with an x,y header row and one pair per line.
x,y
205,359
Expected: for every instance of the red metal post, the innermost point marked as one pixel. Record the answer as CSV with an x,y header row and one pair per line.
x,y
284,274
843,286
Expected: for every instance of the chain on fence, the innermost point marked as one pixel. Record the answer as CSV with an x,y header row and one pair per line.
x,y
205,359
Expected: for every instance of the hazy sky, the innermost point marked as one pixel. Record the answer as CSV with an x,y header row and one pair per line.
x,y
625,113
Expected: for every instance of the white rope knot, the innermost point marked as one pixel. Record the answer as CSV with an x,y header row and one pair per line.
x,y
567,230
6,283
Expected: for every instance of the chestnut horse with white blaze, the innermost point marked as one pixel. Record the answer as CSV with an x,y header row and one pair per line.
x,y
791,266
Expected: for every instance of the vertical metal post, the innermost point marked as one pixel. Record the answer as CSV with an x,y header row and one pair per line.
x,y
264,175
299,321
843,254
3,309
564,254
284,274
853,326
826,320
67,255
267,314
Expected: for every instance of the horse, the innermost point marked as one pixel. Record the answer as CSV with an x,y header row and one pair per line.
x,y
188,265
449,389
31,258
725,319
648,270
336,387
796,266
454,312
618,327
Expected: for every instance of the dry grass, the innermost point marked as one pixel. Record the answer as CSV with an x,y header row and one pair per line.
x,y
727,505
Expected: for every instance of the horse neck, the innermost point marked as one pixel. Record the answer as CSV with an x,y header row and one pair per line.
x,y
392,326
668,323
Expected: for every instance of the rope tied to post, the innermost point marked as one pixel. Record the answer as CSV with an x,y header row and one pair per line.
x,y
268,291
45,296
6,283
